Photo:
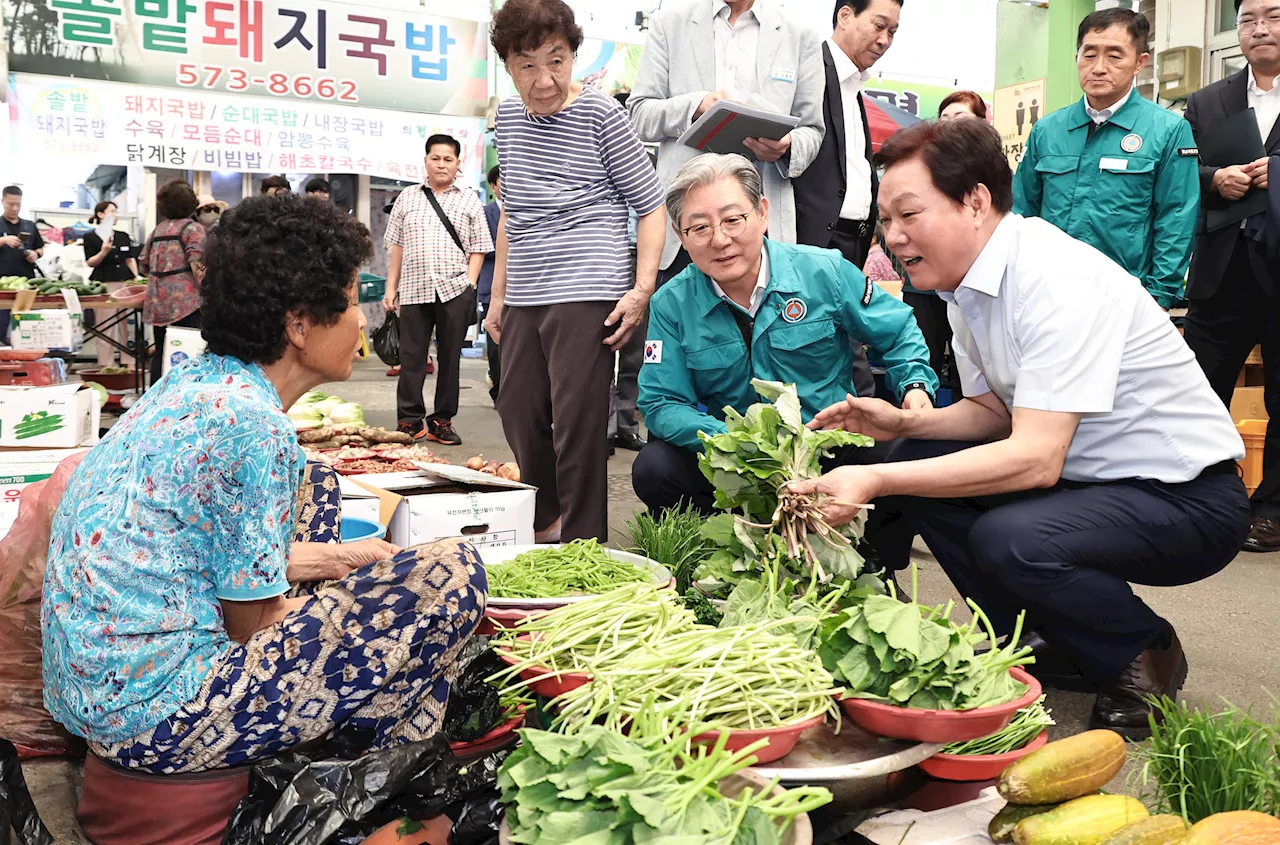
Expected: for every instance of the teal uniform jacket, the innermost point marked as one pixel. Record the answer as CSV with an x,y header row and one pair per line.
x,y
815,304
1132,190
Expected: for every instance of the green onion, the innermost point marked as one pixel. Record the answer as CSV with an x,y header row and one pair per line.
x,y
674,539
1027,724
582,567
1204,763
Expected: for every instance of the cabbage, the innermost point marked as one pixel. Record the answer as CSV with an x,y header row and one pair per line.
x,y
347,412
306,425
304,413
311,397
327,404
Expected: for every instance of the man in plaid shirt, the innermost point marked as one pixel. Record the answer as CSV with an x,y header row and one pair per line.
x,y
431,280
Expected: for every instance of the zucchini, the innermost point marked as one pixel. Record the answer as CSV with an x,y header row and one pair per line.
x,y
1060,771
1001,828
1084,821
1157,830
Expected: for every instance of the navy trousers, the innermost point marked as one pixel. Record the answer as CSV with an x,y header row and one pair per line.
x,y
1069,553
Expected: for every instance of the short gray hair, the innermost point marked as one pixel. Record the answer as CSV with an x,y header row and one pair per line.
x,y
706,169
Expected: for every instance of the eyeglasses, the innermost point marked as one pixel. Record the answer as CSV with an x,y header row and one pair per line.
x,y
1270,22
701,234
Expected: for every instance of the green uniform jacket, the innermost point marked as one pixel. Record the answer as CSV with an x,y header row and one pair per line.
x,y
815,304
1132,190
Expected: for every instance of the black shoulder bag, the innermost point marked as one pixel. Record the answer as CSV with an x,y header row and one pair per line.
x,y
444,218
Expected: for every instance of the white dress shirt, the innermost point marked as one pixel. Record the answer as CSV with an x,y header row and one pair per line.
x,y
1101,116
757,295
1049,323
1265,104
736,49
857,189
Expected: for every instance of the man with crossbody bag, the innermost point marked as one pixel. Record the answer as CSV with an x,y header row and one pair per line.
x,y
436,241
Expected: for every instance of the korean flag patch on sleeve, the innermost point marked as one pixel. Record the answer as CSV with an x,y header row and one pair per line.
x,y
653,352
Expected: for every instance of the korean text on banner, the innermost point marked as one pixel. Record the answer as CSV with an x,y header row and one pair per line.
x,y
92,122
296,49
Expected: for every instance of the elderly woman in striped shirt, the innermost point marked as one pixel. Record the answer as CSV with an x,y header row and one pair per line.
x,y
565,293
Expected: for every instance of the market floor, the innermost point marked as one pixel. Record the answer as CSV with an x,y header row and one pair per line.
x,y
1227,624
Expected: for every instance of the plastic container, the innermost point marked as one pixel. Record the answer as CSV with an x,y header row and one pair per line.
x,y
975,767
111,381
1254,435
491,741
500,618
546,682
938,725
354,530
372,288
782,739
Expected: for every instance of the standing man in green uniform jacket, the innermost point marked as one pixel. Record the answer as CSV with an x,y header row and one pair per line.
x,y
1114,170
752,308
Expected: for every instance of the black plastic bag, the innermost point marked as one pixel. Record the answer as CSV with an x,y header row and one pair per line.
x,y
305,799
473,708
17,810
386,340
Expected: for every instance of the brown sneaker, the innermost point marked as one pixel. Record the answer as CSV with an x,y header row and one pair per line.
x,y
1122,705
441,431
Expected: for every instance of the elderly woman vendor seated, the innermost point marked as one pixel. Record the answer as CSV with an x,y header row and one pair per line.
x,y
169,641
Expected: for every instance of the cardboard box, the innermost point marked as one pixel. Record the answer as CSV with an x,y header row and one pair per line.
x,y
443,501
18,471
1247,403
50,328
179,345
361,502
72,412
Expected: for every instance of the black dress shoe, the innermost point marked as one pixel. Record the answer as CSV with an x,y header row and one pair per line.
x,y
631,442
1264,535
1053,668
1122,705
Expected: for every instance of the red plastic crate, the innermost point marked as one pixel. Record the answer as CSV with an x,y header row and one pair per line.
x,y
30,373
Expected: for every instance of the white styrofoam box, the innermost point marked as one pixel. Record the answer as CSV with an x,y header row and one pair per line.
x,y
179,345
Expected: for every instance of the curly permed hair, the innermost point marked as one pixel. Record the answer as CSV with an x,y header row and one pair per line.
x,y
525,25
270,257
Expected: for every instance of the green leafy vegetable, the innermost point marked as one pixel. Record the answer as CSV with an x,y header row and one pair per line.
x,y
703,610
602,788
1028,723
582,567
909,655
751,464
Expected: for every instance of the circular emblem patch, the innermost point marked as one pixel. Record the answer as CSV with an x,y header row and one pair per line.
x,y
794,310
1131,143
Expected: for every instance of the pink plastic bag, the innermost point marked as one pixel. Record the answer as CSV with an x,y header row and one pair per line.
x,y
23,719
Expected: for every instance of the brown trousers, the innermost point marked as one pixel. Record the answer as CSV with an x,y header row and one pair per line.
x,y
554,403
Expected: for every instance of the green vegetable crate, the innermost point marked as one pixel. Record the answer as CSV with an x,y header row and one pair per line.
x,y
372,288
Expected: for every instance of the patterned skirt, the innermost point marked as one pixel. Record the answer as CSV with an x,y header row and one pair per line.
x,y
375,651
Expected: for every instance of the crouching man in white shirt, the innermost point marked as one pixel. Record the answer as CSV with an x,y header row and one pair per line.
x,y
1089,452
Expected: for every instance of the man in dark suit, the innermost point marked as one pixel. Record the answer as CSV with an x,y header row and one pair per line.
x,y
836,195
1234,283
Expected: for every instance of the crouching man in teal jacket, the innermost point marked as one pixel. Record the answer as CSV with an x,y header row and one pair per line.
x,y
749,308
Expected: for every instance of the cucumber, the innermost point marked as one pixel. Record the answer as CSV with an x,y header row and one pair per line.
x,y
1063,770
1084,821
1001,828
1157,830
1238,827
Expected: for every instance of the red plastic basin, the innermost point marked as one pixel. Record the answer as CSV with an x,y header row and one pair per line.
x,y
493,740
547,682
782,739
501,618
973,767
938,725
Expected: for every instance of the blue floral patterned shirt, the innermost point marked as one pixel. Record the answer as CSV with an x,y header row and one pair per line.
x,y
189,499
